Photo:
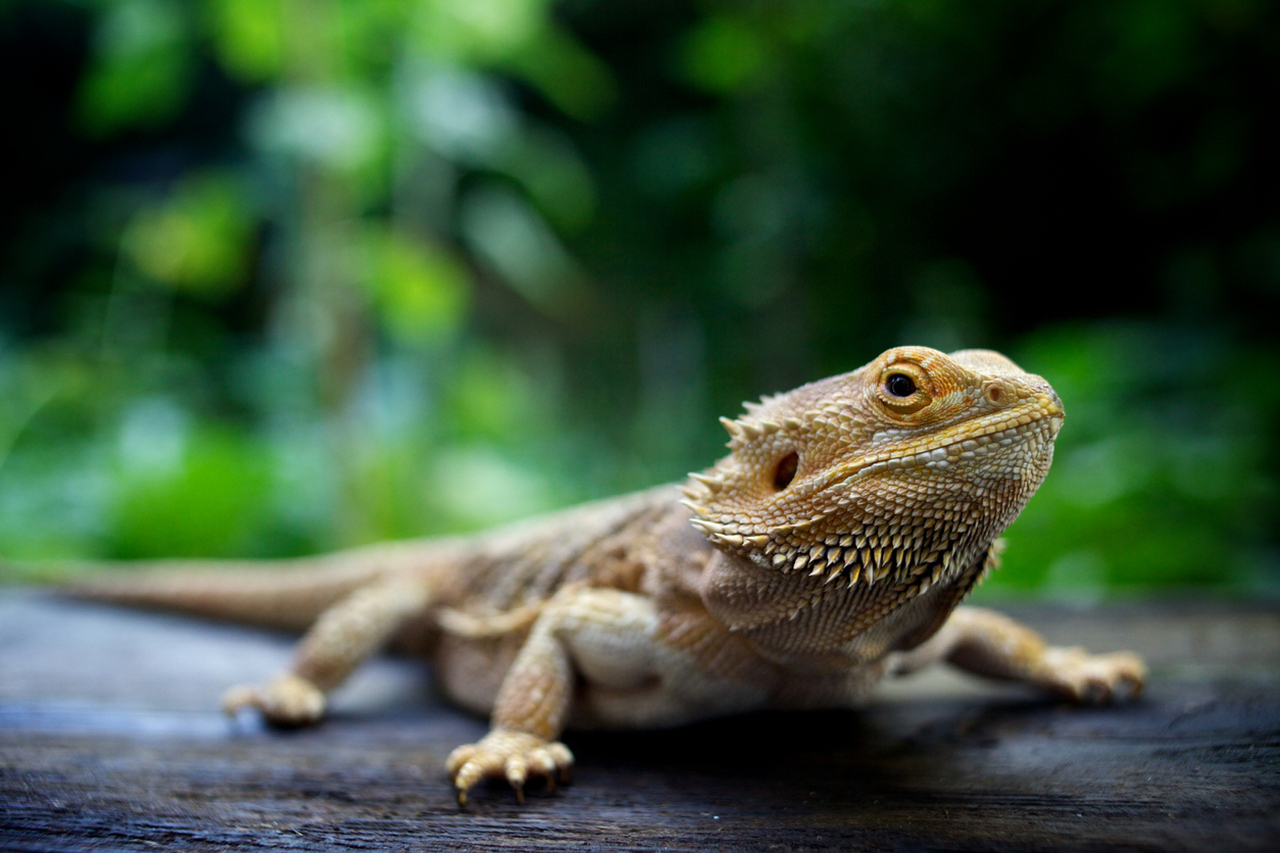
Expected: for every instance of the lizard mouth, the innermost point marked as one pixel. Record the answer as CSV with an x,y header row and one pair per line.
x,y
983,441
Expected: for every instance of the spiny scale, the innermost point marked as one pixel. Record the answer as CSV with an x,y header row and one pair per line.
x,y
750,429
713,483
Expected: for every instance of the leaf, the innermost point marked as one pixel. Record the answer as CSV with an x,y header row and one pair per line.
x,y
197,241
420,290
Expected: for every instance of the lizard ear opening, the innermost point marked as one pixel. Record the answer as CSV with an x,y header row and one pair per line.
x,y
786,470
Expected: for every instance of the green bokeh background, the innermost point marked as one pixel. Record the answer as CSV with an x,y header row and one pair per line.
x,y
281,276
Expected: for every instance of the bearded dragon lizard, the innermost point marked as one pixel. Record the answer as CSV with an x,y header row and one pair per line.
x,y
828,550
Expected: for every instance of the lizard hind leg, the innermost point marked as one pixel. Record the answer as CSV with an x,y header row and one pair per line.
x,y
344,636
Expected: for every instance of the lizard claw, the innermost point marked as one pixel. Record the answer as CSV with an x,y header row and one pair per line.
x,y
1095,679
508,754
289,700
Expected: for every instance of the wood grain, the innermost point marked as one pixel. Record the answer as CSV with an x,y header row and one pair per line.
x,y
109,740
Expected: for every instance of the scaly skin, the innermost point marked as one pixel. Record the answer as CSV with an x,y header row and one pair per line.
x,y
829,549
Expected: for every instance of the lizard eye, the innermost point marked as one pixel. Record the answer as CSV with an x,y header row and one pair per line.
x,y
900,385
786,471
904,388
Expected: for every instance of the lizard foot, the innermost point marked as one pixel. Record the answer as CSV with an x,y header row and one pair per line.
x,y
289,700
1094,679
504,753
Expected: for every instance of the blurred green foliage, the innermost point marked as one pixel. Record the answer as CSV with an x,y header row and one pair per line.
x,y
289,275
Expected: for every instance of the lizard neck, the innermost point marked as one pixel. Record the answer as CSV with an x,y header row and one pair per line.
x,y
805,623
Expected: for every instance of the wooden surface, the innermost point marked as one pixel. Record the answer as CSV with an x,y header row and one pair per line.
x,y
109,740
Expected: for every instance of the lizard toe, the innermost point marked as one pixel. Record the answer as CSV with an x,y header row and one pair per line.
x,y
541,761
289,700
563,759
460,756
472,771
1125,674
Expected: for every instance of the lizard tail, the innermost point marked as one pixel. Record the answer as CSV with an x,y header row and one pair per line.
x,y
287,594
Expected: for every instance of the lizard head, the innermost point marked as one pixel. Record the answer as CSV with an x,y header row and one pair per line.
x,y
859,493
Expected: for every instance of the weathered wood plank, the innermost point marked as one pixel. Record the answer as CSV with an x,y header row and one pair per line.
x,y
109,740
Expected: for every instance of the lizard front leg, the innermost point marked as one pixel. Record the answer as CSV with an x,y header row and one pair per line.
x,y
987,643
343,637
613,660
604,635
